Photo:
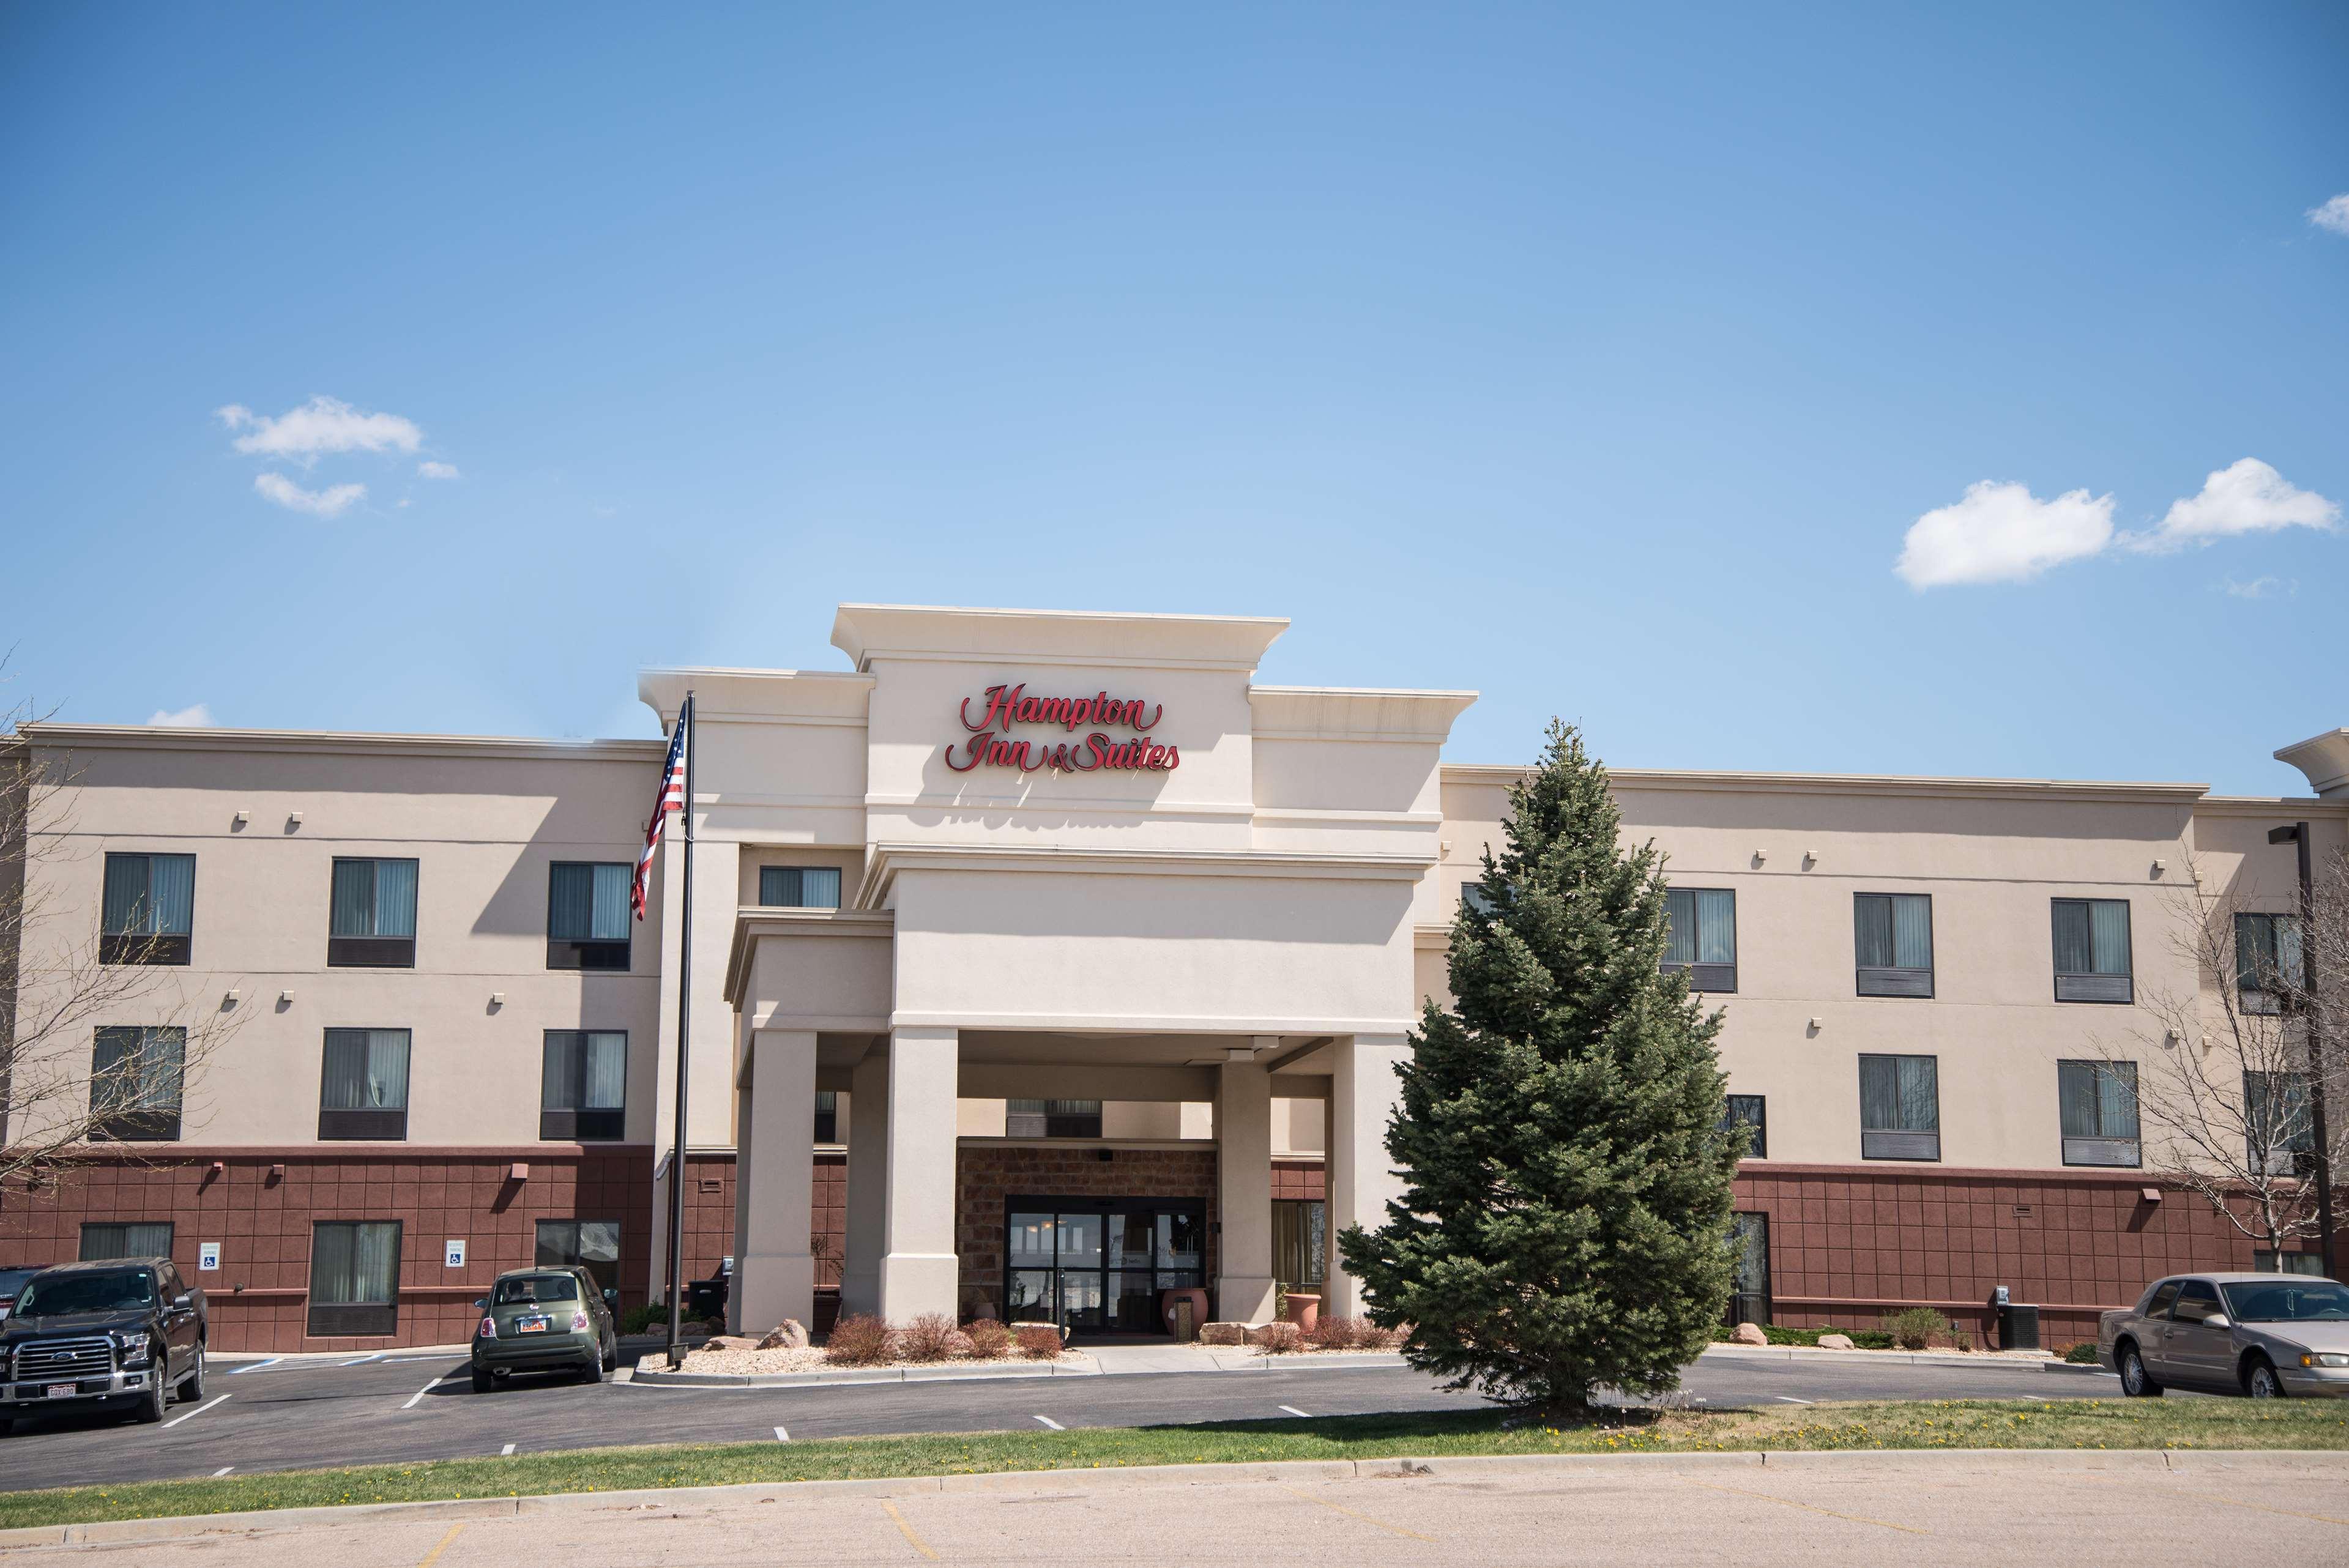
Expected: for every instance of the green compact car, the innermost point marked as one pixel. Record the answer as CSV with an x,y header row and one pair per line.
x,y
546,1319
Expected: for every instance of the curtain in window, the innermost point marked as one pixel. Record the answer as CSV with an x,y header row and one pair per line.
x,y
354,900
800,887
612,885
151,1239
150,895
375,1262
395,898
2073,953
559,1082
366,1069
2287,949
820,887
1912,931
2275,1107
125,906
138,1070
2116,1098
1716,926
2108,923
1298,1241
1679,938
354,1264
2075,1092
606,1076
1899,1094
570,903
1921,1095
172,886
1871,916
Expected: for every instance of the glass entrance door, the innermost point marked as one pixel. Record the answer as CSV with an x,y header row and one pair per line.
x,y
1096,1264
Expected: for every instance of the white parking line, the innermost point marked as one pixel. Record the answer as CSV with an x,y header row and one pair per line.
x,y
782,1436
365,1359
257,1366
1790,1399
506,1453
416,1399
1292,1410
198,1410
221,1471
1051,1423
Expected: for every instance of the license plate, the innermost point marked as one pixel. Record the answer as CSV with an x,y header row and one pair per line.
x,y
62,1390
530,1326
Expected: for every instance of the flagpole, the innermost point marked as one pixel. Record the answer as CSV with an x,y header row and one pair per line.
x,y
684,1054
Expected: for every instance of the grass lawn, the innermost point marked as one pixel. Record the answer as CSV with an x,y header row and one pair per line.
x,y
1957,1424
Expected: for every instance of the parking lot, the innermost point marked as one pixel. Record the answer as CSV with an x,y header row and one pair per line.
x,y
303,1414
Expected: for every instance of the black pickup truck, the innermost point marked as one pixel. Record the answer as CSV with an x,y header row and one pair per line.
x,y
122,1332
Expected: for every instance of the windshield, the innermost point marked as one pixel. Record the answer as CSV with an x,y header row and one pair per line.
x,y
537,1287
2289,1301
113,1289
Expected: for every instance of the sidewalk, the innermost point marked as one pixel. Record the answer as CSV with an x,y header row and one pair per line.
x,y
1104,1360
2021,1361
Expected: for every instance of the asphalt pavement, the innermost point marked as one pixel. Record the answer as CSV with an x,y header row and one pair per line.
x,y
301,1414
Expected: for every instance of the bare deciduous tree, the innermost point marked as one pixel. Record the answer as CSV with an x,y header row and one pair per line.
x,y
97,1038
2225,1073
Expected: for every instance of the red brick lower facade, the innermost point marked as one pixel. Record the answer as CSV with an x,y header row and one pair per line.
x,y
988,1177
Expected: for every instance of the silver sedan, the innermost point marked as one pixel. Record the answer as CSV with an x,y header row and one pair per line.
x,y
2267,1336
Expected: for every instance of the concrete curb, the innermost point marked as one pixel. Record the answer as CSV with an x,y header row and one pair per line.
x,y
896,1375
1877,1358
2333,1466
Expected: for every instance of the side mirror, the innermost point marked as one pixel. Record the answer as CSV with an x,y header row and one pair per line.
x,y
2217,1320
183,1301
482,1301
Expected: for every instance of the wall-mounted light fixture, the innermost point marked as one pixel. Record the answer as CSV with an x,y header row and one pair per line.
x,y
240,819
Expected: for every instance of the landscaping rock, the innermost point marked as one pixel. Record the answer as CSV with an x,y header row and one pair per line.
x,y
1748,1333
1836,1342
788,1334
1223,1333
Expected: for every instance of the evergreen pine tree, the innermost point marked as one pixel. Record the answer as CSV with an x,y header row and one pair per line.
x,y
1565,1223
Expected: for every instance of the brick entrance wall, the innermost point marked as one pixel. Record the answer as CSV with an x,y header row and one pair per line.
x,y
987,1177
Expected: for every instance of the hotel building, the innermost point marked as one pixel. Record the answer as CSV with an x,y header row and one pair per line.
x,y
1045,963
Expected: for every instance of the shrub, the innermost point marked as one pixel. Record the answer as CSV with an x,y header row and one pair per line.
x,y
1038,1341
2082,1354
1916,1328
1369,1336
1223,1333
644,1319
1871,1339
860,1339
988,1338
1279,1338
1333,1334
926,1339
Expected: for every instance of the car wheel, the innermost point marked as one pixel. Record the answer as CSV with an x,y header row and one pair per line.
x,y
2259,1380
150,1403
482,1381
191,1387
2135,1381
593,1371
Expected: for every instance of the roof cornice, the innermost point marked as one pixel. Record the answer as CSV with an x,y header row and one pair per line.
x,y
49,735
1089,639
1855,784
2323,757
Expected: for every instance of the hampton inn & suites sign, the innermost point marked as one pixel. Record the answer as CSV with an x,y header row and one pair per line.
x,y
990,743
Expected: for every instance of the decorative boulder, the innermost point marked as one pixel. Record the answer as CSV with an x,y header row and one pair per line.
x,y
1223,1333
788,1334
1836,1342
1748,1333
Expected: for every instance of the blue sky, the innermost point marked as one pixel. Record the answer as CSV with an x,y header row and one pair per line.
x,y
1601,361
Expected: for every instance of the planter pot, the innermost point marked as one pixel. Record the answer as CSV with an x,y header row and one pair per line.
x,y
1304,1310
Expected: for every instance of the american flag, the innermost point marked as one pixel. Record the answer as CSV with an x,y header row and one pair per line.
x,y
672,794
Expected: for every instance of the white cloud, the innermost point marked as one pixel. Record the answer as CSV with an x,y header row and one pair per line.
x,y
2258,588
327,503
2245,497
196,718
2003,533
2333,215
321,424
438,471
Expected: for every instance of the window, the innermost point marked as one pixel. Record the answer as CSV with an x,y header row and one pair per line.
x,y
1749,1290
1899,1107
1477,899
1701,937
2098,1101
587,914
800,887
1052,1118
134,1083
1893,937
364,1090
2264,1262
99,1242
827,1115
2278,1138
1301,1240
1748,1110
2267,961
585,1093
2196,1299
149,909
592,1245
354,1277
372,923
2156,1305
2092,950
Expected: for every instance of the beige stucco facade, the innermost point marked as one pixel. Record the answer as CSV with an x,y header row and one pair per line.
x,y
1219,915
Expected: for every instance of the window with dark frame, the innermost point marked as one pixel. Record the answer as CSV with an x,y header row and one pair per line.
x,y
583,1093
354,1277
1702,938
1052,1118
135,1076
591,1245
2098,1102
1899,1107
799,887
1301,1240
371,924
103,1241
1748,1110
587,914
362,1091
2268,968
2266,1261
147,914
1892,938
1749,1290
827,1115
2279,1136
2092,950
